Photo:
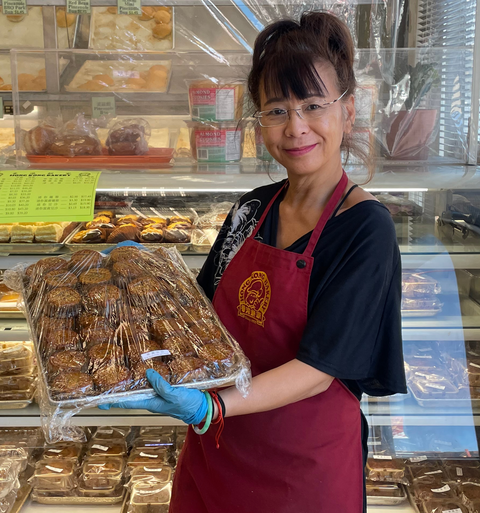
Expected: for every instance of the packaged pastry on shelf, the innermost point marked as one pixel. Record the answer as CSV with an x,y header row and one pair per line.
x,y
102,472
419,285
111,433
150,495
151,471
443,506
379,489
429,487
382,467
54,476
128,137
470,492
63,451
107,449
9,472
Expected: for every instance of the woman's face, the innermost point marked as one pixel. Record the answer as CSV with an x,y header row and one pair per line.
x,y
306,146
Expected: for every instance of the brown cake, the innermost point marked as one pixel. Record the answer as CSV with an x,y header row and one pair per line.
x,y
139,369
90,236
92,321
129,253
96,336
103,354
59,340
63,302
133,332
95,277
66,360
124,272
471,491
44,266
188,370
72,384
206,331
60,279
193,315
102,299
84,260
443,506
46,324
112,378
124,232
219,356
145,291
164,328
179,345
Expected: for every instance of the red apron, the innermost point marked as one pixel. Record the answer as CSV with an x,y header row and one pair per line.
x,y
302,458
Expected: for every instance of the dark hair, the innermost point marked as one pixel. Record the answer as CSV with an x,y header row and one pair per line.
x,y
284,59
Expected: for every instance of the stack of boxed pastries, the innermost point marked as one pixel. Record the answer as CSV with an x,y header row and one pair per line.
x,y
100,322
17,373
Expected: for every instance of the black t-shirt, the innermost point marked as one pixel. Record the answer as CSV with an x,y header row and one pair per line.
x,y
353,331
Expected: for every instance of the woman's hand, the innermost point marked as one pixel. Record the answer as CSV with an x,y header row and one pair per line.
x,y
184,404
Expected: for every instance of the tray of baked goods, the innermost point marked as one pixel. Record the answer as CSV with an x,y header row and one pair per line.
x,y
153,30
34,238
9,300
420,295
152,228
99,322
440,380
77,144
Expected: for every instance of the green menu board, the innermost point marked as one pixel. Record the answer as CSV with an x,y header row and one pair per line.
x,y
47,196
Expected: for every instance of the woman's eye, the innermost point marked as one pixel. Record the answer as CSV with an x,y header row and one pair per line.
x,y
276,112
313,106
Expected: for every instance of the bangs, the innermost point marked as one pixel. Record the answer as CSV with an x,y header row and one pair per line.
x,y
290,73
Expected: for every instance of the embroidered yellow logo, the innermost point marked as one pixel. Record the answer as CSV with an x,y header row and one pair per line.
x,y
254,297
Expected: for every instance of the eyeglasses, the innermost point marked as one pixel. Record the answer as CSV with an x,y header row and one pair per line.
x,y
308,110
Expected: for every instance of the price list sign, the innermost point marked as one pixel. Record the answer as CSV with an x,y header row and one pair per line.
x,y
47,196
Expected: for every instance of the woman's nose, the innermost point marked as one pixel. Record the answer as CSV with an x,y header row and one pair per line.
x,y
296,125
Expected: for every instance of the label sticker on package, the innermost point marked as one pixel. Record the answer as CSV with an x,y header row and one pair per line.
x,y
47,196
459,471
417,459
153,469
54,469
212,104
218,145
381,457
433,472
456,510
100,447
434,385
14,7
155,354
78,6
55,450
148,455
445,488
103,106
475,365
130,7
12,349
124,73
105,431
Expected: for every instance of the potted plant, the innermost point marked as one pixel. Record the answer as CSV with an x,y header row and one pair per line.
x,y
409,131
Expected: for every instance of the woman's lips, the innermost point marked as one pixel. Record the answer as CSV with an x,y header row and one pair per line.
x,y
298,152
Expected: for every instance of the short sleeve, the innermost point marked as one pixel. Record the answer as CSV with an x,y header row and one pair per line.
x,y
354,325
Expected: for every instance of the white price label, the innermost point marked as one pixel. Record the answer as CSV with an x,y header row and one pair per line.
x,y
105,431
100,447
54,469
55,450
13,349
475,365
148,455
375,442
417,459
381,457
423,356
155,354
445,488
153,469
434,385
433,472
456,510
459,471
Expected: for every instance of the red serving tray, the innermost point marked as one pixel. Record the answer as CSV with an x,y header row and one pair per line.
x,y
155,158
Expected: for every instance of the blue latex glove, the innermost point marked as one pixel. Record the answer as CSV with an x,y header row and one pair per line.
x,y
185,404
123,243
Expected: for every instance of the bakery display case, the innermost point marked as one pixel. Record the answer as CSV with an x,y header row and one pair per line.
x,y
157,103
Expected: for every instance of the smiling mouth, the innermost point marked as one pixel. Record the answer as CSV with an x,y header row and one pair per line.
x,y
296,152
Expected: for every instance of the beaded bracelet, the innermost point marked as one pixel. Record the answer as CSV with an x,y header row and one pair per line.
x,y
208,420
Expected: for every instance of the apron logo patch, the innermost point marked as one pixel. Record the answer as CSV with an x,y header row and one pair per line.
x,y
254,298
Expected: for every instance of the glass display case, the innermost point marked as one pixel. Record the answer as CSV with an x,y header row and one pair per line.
x,y
418,67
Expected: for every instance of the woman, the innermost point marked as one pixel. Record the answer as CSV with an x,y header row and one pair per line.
x,y
316,262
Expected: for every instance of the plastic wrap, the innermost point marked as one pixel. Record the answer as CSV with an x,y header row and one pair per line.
x,y
149,495
420,295
128,137
207,227
383,467
444,506
156,317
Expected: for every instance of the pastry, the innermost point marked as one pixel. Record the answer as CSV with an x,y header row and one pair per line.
x,y
64,19
135,83
162,17
59,340
127,219
5,230
179,219
180,225
219,356
66,360
124,272
99,472
92,321
106,213
164,328
139,369
177,235
102,299
179,345
75,145
65,451
147,13
63,302
152,233
37,141
145,291
112,378
96,335
124,253
206,331
90,236
15,18
71,384
47,324
127,140
144,350
25,81
103,354
159,221
188,370
22,233
154,82
125,232
113,449
49,233
104,79
97,276
93,85
162,30
60,279
84,260
133,332
99,223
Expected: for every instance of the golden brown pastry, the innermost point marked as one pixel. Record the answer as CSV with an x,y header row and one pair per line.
x,y
112,10
104,79
162,30
39,84
6,87
90,236
5,230
152,233
22,233
162,17
105,213
124,232
49,233
147,221
93,85
147,13
37,141
75,145
15,18
1,81
65,19
127,219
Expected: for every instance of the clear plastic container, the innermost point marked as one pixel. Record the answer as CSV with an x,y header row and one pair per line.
x,y
157,430
63,451
55,475
419,285
9,471
378,489
147,496
221,100
17,452
17,383
15,358
216,142
159,472
112,492
384,468
102,473
108,449
147,441
147,456
443,506
110,433
428,488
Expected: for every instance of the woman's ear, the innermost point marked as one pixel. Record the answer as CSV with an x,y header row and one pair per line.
x,y
349,114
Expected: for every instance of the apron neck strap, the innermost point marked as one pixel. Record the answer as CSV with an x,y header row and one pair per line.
x,y
326,214
269,206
